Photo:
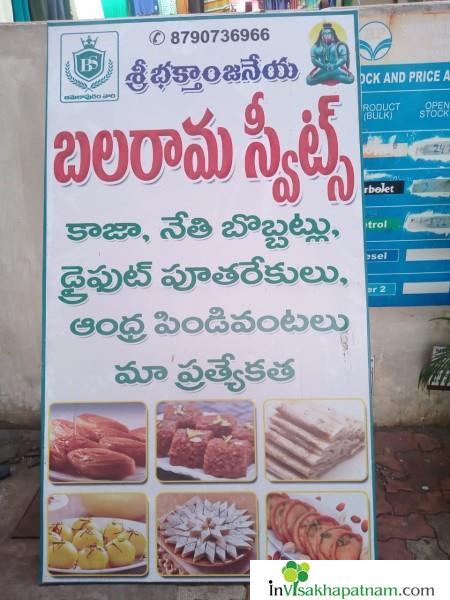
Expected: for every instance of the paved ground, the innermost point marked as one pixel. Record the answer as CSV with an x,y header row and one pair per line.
x,y
19,559
413,507
413,494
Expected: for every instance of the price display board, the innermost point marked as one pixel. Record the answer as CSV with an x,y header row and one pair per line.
x,y
405,77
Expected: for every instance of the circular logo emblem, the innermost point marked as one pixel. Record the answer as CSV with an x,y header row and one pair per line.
x,y
156,38
375,41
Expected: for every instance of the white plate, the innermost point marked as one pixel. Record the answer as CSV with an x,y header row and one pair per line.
x,y
58,476
100,523
56,502
355,504
164,463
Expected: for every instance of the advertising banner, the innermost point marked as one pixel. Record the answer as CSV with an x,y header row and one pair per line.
x,y
206,365
405,75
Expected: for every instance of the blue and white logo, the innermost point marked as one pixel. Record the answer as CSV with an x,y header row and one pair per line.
x,y
375,41
89,63
89,67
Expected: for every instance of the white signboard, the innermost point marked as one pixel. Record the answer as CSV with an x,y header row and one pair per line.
x,y
206,378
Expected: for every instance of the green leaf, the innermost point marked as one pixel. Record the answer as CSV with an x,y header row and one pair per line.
x,y
438,367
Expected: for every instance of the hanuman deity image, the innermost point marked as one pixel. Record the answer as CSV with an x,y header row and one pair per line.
x,y
331,59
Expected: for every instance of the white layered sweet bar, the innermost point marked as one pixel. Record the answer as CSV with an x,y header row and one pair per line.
x,y
305,440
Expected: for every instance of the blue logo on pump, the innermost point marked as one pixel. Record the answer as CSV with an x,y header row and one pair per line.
x,y
375,41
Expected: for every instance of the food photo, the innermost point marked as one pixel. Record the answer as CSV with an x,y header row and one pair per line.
x,y
97,443
318,526
206,440
206,534
315,440
97,534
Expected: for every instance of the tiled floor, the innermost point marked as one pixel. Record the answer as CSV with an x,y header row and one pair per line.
x,y
413,494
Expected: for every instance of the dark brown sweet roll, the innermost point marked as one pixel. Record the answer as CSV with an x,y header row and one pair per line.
x,y
61,446
100,463
107,432
57,457
129,446
139,434
60,428
94,426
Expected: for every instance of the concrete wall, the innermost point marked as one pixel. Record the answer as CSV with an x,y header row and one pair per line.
x,y
401,338
22,124
401,342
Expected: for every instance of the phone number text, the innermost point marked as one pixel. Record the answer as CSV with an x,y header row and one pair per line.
x,y
207,36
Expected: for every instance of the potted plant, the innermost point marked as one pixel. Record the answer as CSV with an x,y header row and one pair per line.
x,y
435,375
